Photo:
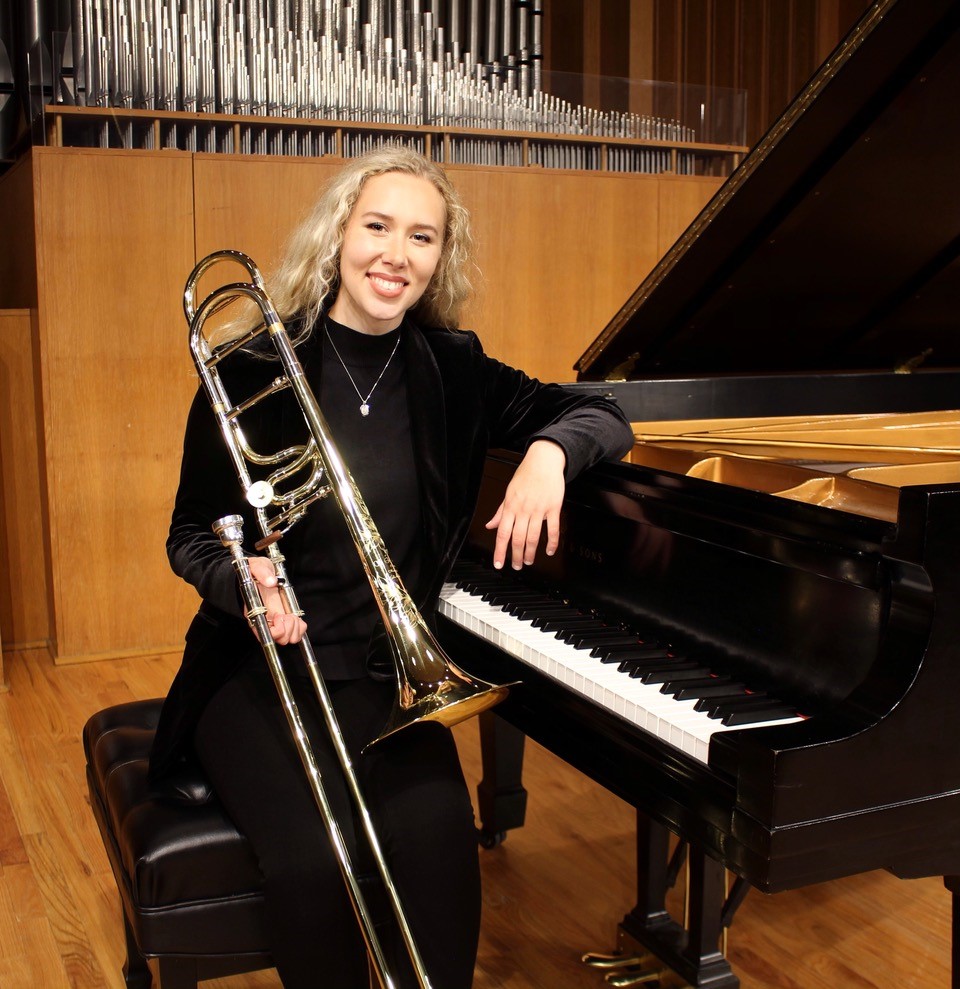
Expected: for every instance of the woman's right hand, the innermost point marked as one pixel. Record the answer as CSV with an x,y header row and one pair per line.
x,y
285,628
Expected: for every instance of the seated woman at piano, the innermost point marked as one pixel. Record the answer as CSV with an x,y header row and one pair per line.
x,y
370,290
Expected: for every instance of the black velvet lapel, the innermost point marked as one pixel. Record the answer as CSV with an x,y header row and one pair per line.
x,y
428,422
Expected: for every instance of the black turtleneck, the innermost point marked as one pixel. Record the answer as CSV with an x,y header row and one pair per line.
x,y
324,566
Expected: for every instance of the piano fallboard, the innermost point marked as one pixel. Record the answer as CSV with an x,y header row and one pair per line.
x,y
848,619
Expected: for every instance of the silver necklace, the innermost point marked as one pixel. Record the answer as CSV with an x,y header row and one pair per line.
x,y
364,402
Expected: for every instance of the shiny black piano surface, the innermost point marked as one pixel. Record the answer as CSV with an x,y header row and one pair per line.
x,y
851,620
823,278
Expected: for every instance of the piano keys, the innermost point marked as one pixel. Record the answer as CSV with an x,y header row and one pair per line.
x,y
652,682
787,526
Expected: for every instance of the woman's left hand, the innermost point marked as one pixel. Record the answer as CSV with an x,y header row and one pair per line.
x,y
285,628
534,496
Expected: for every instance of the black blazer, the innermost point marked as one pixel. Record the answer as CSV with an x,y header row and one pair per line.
x,y
462,403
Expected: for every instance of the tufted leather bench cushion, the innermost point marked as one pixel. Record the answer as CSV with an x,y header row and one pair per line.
x,y
188,880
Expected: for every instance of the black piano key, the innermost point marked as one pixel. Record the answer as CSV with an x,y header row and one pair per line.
x,y
758,716
538,612
481,582
599,631
714,680
730,705
651,659
518,608
582,621
715,692
474,585
466,584
515,591
672,675
616,637
596,638
608,653
633,656
525,611
638,667
513,599
706,703
504,596
554,616
643,660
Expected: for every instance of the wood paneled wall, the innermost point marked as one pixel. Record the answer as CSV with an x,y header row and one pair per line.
x,y
767,48
560,252
24,596
116,234
18,273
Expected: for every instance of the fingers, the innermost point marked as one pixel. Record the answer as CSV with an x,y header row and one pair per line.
x,y
524,541
504,522
503,536
285,628
533,498
521,532
527,534
262,570
512,532
553,532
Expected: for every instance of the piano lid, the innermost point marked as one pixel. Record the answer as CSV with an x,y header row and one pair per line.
x,y
834,246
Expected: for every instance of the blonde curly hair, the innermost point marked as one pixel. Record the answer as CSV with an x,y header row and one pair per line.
x,y
309,273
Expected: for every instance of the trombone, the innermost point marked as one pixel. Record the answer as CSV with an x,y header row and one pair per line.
x,y
429,686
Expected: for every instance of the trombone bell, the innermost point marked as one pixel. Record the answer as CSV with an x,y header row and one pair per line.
x,y
430,686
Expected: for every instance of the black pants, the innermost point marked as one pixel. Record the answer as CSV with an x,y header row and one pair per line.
x,y
421,810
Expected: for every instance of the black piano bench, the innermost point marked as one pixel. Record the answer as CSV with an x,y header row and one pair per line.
x,y
189,884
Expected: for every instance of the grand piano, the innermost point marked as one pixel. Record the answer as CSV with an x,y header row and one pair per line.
x,y
751,631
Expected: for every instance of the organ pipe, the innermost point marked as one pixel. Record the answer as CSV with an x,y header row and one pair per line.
x,y
408,62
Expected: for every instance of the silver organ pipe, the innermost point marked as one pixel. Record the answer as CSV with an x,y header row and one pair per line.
x,y
491,51
473,31
507,58
473,64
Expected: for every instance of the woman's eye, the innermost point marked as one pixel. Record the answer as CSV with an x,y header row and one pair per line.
x,y
422,238
376,225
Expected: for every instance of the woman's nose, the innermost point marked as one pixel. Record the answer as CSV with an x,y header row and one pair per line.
x,y
395,252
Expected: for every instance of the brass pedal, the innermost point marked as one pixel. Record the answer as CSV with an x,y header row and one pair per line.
x,y
624,970
626,979
616,960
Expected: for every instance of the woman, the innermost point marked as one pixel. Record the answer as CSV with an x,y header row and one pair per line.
x,y
371,289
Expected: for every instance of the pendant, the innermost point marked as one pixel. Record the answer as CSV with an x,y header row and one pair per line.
x,y
364,409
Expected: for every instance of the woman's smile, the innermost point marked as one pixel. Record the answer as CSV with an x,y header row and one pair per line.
x,y
387,285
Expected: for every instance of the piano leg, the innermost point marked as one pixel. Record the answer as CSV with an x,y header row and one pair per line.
x,y
653,874
693,952
501,798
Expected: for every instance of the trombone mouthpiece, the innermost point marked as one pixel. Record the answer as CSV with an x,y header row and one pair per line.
x,y
229,529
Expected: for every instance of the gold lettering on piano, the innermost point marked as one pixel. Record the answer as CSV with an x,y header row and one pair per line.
x,y
582,551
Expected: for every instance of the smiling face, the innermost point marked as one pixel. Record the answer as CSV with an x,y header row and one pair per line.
x,y
390,251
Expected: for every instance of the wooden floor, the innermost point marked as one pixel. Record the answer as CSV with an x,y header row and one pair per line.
x,y
554,889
